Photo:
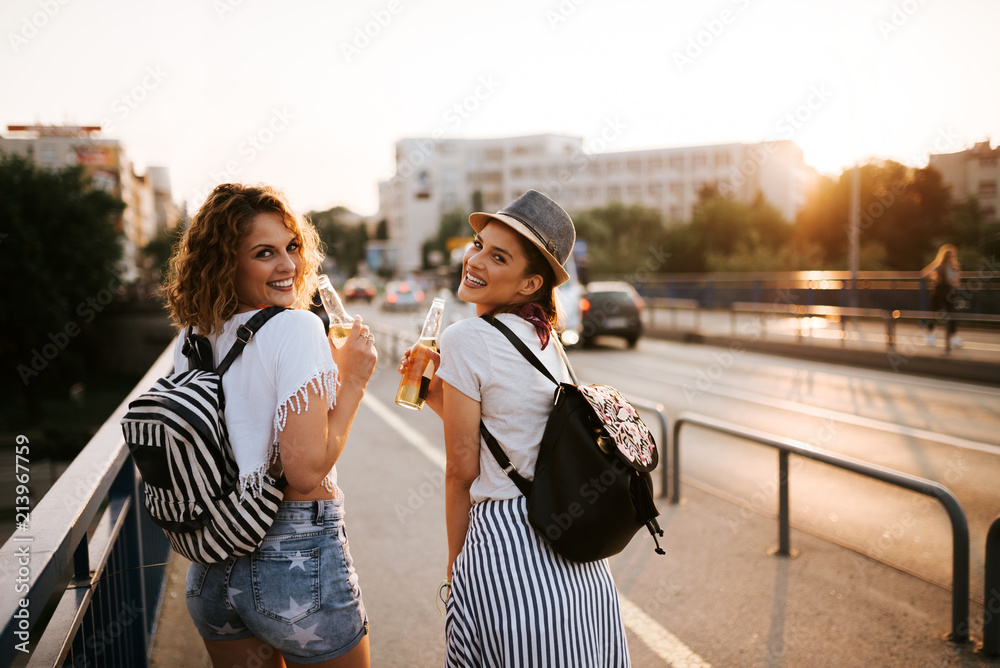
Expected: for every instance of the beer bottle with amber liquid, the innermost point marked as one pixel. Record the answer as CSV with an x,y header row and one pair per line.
x,y
412,391
340,321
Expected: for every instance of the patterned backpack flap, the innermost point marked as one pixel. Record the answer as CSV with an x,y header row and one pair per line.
x,y
623,425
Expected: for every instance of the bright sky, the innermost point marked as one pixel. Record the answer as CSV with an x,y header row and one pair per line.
x,y
312,95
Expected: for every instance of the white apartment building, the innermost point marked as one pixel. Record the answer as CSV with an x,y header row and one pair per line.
x,y
973,172
149,207
436,175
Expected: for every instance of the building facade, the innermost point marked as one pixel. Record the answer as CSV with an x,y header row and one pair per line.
x,y
149,207
435,176
974,172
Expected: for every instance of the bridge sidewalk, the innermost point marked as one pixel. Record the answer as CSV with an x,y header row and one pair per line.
x,y
854,343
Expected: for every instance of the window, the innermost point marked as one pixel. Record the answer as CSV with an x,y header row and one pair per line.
x,y
635,192
655,190
634,167
494,154
677,163
615,193
592,192
988,163
699,160
613,167
677,190
655,164
987,189
722,159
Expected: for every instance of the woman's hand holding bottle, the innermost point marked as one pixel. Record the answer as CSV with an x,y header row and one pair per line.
x,y
357,356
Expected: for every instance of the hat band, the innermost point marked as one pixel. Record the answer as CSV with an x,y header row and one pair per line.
x,y
547,243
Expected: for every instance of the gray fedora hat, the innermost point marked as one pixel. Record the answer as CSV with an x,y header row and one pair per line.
x,y
542,222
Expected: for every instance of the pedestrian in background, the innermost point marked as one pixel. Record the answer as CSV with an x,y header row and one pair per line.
x,y
291,398
512,600
943,275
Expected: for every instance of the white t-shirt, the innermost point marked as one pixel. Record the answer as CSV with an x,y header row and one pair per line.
x,y
271,376
515,398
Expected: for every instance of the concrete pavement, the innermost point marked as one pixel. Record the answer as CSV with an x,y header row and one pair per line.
x,y
717,591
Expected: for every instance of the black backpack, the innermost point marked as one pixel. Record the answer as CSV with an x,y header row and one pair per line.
x,y
177,435
592,489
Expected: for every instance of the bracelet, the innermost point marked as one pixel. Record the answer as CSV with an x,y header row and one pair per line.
x,y
443,594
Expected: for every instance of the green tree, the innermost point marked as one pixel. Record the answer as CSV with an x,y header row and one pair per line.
x,y
59,244
904,213
453,224
623,239
344,236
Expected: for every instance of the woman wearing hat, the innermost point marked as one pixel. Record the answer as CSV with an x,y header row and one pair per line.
x,y
513,601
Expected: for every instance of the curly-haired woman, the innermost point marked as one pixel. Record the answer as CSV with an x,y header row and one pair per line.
x,y
291,398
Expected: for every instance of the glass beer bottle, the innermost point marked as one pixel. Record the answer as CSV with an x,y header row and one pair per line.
x,y
413,388
340,322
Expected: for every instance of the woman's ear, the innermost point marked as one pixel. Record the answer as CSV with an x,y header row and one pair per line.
x,y
531,285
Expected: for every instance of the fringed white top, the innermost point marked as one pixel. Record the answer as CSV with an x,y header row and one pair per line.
x,y
272,376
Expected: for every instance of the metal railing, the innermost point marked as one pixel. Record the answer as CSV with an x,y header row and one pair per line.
x,y
91,527
673,306
846,314
785,446
991,596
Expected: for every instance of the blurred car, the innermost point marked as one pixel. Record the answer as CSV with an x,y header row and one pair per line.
x,y
359,288
569,295
611,308
402,296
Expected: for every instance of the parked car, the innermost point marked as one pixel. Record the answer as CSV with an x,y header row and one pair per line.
x,y
569,295
402,296
611,308
359,288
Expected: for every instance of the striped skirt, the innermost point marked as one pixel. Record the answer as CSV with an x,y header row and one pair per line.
x,y
516,604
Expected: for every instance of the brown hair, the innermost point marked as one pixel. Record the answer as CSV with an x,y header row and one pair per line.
x,y
545,296
200,288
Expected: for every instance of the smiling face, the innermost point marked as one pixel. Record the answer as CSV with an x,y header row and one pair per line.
x,y
493,270
268,261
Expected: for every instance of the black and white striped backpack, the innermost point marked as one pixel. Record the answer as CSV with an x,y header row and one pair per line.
x,y
177,435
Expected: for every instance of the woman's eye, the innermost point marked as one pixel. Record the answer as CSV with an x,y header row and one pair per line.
x,y
499,258
264,253
293,247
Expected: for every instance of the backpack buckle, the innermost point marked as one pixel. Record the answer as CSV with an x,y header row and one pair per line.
x,y
248,335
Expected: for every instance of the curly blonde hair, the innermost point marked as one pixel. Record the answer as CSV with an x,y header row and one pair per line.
x,y
200,287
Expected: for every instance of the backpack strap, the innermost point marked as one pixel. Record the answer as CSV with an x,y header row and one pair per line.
x,y
522,483
244,333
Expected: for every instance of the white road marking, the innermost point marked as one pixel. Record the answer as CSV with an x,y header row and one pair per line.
x,y
661,641
815,411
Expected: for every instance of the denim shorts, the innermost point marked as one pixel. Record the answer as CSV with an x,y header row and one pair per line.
x,y
298,592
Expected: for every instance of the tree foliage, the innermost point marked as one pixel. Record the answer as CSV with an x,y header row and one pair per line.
x,y
344,237
622,239
905,214
59,244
